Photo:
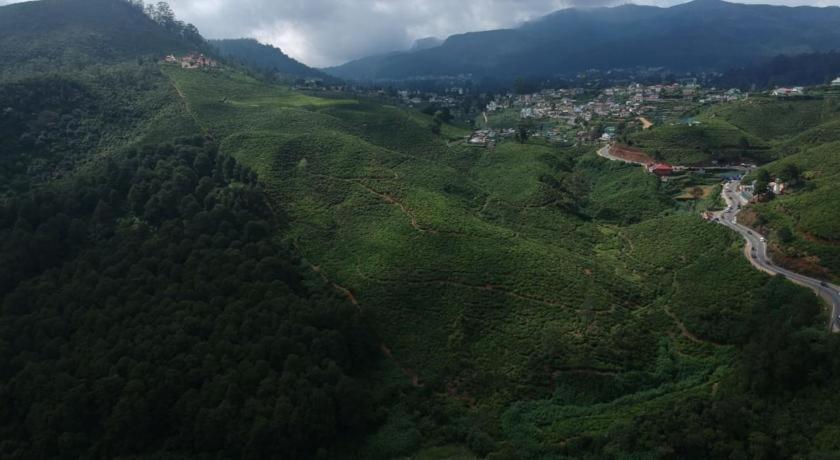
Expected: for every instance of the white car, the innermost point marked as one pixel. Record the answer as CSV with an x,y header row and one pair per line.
x,y
763,240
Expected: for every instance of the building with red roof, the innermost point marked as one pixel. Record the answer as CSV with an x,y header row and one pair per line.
x,y
661,169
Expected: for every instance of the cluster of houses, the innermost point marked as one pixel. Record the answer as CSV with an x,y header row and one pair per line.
x,y
620,102
489,137
192,61
788,92
450,98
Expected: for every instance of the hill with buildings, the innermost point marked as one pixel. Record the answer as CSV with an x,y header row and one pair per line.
x,y
703,35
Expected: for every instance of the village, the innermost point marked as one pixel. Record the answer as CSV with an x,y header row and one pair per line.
x,y
575,116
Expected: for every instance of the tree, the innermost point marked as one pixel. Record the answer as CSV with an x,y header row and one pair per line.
x,y
523,131
784,234
790,173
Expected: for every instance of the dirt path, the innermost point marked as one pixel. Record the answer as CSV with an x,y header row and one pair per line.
x,y
390,199
488,287
685,332
188,108
415,379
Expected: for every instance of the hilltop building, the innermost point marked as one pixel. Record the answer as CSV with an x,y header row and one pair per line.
x,y
835,82
192,61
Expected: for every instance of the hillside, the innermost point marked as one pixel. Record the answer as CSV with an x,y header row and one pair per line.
x,y
266,58
48,35
455,255
201,263
716,35
794,139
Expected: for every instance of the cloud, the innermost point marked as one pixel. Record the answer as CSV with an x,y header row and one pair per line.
x,y
329,32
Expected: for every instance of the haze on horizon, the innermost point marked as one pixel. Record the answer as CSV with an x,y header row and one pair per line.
x,y
323,33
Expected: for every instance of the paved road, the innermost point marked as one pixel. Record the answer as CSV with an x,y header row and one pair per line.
x,y
756,252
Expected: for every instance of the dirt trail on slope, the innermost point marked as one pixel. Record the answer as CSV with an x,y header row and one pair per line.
x,y
686,333
415,379
491,288
348,294
386,198
188,109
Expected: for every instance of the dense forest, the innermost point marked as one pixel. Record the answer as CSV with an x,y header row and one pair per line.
x,y
147,309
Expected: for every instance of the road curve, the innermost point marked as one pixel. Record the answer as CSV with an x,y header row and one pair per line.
x,y
756,252
755,248
604,152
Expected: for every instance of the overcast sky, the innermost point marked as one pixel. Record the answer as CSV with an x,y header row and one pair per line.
x,y
329,32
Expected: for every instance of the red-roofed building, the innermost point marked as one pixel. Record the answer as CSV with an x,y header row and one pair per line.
x,y
661,169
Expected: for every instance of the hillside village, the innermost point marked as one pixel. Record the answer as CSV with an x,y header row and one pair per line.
x,y
574,116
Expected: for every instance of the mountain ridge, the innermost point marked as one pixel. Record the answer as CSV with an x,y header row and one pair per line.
x,y
717,34
265,57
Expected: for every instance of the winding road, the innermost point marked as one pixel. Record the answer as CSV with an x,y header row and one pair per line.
x,y
756,252
755,248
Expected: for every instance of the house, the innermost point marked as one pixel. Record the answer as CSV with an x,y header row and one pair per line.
x,y
777,187
785,92
661,169
835,82
170,59
196,61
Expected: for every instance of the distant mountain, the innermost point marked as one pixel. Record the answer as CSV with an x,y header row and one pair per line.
x,y
426,43
697,36
50,34
252,53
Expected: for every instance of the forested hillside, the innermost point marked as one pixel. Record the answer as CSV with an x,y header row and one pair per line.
x,y
265,58
146,306
49,35
146,309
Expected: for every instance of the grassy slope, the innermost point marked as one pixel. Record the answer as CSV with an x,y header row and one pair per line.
x,y
475,267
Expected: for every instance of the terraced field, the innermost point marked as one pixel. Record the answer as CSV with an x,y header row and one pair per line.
x,y
491,275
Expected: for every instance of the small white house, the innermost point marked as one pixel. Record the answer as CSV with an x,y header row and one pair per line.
x,y
835,82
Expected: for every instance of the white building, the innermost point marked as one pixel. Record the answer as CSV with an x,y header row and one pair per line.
x,y
836,82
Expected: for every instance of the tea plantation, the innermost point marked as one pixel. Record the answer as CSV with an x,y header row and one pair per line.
x,y
528,299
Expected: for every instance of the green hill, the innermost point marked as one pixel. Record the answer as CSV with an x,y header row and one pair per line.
x,y
47,35
511,283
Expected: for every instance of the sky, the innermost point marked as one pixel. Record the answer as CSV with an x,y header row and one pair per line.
x,y
322,33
